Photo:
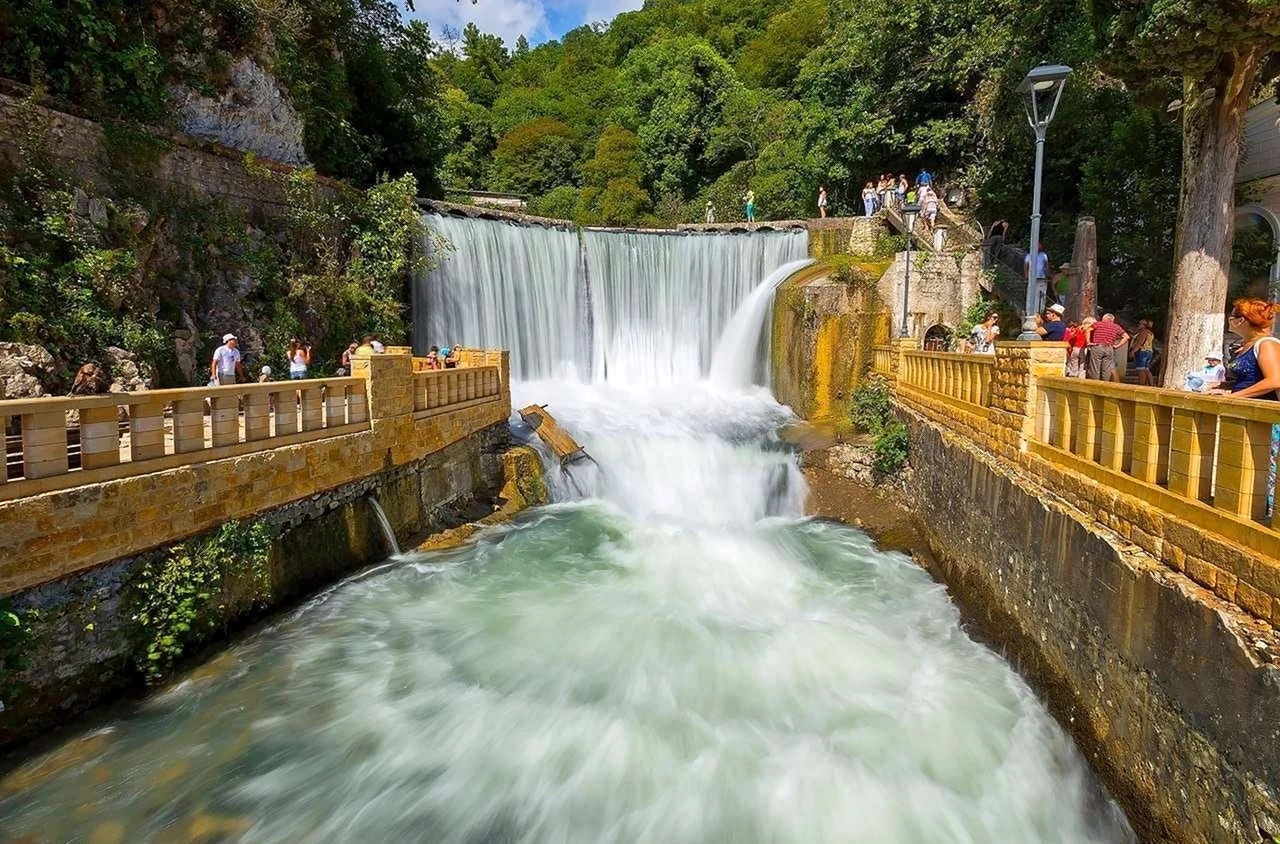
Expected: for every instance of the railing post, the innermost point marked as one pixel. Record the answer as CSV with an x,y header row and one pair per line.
x,y
390,383
357,403
188,425
1244,459
257,416
224,418
146,431
1117,434
312,408
1152,424
99,437
1011,413
335,402
1191,454
286,411
1087,416
44,444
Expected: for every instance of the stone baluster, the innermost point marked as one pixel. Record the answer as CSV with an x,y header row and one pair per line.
x,y
257,416
44,444
224,418
146,431
286,411
99,437
1087,419
1191,448
312,409
188,425
1244,459
1152,427
335,406
357,404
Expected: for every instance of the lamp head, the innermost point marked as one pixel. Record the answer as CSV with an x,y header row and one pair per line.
x,y
909,214
1041,90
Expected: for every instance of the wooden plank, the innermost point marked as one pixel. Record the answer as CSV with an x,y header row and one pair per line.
x,y
552,434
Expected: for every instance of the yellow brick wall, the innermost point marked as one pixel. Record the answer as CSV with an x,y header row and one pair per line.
x,y
49,536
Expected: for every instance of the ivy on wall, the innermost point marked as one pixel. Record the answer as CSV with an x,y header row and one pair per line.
x,y
184,594
15,634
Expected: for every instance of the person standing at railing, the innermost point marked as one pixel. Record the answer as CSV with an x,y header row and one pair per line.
x,y
1256,369
901,191
1105,339
1052,328
226,361
869,200
822,202
1077,338
299,359
749,200
984,335
1143,350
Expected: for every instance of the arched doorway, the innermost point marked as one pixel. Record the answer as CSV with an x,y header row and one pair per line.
x,y
938,338
1255,253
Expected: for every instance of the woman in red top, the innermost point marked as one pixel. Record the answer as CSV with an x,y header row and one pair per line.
x,y
1077,338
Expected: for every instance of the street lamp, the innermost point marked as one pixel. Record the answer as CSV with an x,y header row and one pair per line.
x,y
909,214
1041,92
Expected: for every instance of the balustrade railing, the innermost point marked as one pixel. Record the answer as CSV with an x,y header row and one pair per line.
x,y
882,360
439,390
1211,449
82,434
962,378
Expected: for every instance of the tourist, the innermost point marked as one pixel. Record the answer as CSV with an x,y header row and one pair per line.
x,y
345,363
89,381
378,348
226,362
1042,265
433,358
869,200
299,358
925,177
1142,350
1106,337
265,375
930,202
452,356
750,199
901,191
1210,378
822,201
1052,328
711,213
1256,369
984,335
1077,338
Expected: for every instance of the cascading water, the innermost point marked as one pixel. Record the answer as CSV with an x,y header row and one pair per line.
x,y
672,653
625,307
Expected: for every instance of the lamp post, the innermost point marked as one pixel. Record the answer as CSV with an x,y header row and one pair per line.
x,y
1041,92
909,214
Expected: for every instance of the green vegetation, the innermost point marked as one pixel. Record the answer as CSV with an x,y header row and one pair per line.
x,y
82,269
15,633
873,413
184,594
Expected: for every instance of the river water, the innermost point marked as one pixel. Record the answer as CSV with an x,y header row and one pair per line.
x,y
669,653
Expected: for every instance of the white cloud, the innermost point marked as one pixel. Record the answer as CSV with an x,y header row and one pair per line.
x,y
537,20
506,18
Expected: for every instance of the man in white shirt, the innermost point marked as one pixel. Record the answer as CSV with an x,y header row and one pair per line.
x,y
226,358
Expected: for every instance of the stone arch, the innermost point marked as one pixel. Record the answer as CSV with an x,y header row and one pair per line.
x,y
937,337
1272,221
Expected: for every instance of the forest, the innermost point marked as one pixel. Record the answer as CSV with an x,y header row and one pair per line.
x,y
643,120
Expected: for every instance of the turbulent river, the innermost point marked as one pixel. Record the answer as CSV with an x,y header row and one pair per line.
x,y
669,653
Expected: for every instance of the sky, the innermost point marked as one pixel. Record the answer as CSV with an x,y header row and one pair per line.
x,y
537,20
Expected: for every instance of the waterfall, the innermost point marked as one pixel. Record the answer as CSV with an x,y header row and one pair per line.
x,y
737,355
623,307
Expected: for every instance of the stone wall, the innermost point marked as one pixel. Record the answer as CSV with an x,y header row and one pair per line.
x,y
943,286
1163,684
821,337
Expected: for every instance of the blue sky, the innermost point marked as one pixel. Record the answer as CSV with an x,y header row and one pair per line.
x,y
537,20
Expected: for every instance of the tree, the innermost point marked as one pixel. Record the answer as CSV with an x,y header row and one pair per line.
x,y
1220,50
534,157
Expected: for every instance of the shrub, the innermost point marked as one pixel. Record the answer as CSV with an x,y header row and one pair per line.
x,y
891,448
871,405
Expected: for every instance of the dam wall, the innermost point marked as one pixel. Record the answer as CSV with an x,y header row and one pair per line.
x,y
195,519
1102,538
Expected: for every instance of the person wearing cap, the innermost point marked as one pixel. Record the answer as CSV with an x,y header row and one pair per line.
x,y
265,375
1106,337
1053,328
226,360
1211,377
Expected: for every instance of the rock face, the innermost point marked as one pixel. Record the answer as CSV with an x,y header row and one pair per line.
x,y
126,375
253,115
24,371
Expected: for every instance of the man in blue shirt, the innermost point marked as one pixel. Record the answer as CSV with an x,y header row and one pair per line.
x,y
1053,328
925,177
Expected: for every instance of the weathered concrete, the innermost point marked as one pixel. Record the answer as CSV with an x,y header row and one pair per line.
x,y
943,286
1162,683
825,322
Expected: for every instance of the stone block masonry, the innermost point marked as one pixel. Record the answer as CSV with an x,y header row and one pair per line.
x,y
71,559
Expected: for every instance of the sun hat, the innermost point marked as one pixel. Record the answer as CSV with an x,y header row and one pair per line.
x,y
1213,356
1057,309
226,337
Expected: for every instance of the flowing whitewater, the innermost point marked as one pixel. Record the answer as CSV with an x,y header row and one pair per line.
x,y
670,653
625,307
